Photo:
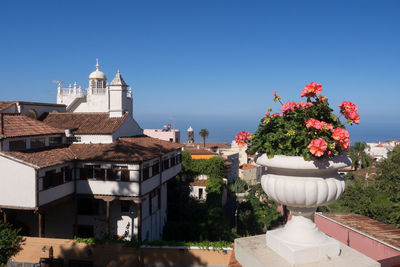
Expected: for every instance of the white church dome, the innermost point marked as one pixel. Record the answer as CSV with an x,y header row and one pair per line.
x,y
97,74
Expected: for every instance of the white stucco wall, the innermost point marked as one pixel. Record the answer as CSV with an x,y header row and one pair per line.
x,y
171,173
95,139
150,184
108,188
98,102
128,128
194,192
18,187
152,225
57,192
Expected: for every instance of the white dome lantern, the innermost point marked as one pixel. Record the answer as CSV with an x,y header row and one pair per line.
x,y
97,79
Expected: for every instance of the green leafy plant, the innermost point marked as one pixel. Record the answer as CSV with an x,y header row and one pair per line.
x,y
239,186
10,242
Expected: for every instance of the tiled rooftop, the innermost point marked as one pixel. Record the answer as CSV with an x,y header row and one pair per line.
x,y
6,104
212,145
195,151
129,149
378,230
19,125
247,167
85,123
199,183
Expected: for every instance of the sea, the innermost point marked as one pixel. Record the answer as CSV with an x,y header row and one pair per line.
x,y
223,129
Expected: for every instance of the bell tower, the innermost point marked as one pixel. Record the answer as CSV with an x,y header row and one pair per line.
x,y
120,98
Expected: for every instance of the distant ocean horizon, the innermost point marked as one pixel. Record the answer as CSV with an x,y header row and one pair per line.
x,y
224,130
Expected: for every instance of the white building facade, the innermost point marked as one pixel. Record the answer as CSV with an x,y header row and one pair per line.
x,y
83,167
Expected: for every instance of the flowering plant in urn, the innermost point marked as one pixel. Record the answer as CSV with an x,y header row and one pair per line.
x,y
302,147
308,129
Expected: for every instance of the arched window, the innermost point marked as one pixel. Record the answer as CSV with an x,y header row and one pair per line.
x,y
32,114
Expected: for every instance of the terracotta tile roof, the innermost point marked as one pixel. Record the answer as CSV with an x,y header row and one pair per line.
x,y
195,151
85,123
378,230
18,125
247,167
199,183
127,149
212,145
130,149
43,157
6,104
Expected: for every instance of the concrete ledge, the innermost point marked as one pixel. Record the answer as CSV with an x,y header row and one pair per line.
x,y
253,252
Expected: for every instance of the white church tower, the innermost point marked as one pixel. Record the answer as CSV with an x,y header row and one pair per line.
x,y
114,98
120,98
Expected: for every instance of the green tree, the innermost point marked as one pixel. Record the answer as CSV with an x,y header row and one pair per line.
x,y
359,158
239,186
204,134
257,213
388,175
10,242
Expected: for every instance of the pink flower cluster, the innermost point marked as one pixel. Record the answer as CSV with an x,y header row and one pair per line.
x,y
290,106
316,124
311,90
349,110
242,138
342,136
318,147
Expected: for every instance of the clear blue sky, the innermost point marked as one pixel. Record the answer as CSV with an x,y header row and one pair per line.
x,y
212,64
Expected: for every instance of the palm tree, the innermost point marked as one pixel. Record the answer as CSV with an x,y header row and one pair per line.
x,y
204,133
359,158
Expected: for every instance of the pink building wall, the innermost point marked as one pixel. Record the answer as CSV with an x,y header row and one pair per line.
x,y
170,135
363,243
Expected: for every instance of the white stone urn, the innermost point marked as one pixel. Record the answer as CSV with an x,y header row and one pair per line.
x,y
302,186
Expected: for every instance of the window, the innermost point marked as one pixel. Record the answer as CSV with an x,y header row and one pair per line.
x,y
125,175
92,172
100,174
146,173
83,173
155,168
171,139
125,205
118,173
37,143
173,161
67,172
52,178
54,141
17,145
165,164
88,206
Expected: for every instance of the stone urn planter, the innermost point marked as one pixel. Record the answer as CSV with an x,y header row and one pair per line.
x,y
302,186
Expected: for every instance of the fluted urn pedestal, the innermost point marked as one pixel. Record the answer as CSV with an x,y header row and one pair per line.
x,y
302,186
